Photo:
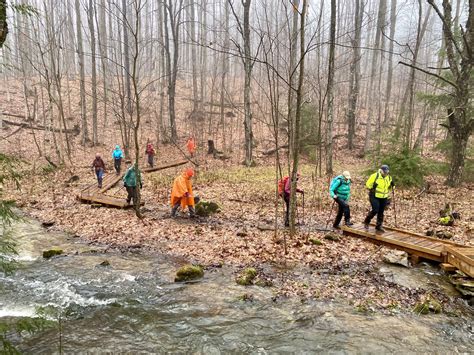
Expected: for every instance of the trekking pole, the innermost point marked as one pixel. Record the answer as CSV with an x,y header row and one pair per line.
x,y
394,207
303,208
330,213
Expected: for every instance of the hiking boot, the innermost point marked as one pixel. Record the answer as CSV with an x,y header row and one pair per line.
x,y
349,223
380,229
192,213
173,211
366,226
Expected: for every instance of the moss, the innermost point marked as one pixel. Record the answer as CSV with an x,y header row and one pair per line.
x,y
247,277
205,208
332,236
188,273
52,252
427,306
315,241
246,297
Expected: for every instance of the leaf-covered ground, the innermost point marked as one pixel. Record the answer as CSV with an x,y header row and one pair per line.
x,y
241,234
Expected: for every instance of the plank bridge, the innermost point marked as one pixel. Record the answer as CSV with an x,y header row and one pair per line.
x,y
94,194
451,255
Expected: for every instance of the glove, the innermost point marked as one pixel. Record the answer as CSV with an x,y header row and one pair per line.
x,y
186,194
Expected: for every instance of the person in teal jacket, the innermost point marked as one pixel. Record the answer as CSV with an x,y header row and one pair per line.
x,y
117,154
130,182
340,191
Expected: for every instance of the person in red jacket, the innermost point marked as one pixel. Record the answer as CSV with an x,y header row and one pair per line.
x,y
98,166
150,152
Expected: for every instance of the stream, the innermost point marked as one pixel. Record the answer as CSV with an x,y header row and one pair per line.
x,y
133,305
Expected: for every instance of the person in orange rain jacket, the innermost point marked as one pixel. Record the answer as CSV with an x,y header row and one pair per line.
x,y
191,145
182,193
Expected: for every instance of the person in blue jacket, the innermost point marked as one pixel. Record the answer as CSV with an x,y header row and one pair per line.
x,y
117,154
340,191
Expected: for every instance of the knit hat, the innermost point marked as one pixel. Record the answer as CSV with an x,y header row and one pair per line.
x,y
346,174
189,172
385,168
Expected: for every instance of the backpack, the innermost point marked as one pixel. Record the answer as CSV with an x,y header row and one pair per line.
x,y
334,181
281,185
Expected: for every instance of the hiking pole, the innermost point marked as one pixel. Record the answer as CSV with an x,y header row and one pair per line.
x,y
394,207
330,213
303,208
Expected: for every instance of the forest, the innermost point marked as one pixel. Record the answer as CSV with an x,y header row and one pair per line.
x,y
290,166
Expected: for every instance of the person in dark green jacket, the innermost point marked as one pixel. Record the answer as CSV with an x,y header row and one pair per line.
x,y
130,181
340,191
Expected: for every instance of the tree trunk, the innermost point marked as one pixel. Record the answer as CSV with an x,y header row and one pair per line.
x,y
299,100
80,54
375,57
330,92
388,89
248,65
354,85
91,12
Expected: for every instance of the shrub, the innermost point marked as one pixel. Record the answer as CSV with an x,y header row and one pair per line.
x,y
406,167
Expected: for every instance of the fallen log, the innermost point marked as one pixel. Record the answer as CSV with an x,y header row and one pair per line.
x,y
29,125
271,151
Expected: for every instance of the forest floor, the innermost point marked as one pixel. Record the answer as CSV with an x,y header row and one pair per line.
x,y
347,270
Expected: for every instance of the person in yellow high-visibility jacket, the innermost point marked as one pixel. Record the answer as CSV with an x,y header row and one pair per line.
x,y
379,184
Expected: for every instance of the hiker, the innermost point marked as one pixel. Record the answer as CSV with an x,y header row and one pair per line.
x,y
191,146
150,152
130,182
340,191
379,185
182,193
117,154
98,167
284,187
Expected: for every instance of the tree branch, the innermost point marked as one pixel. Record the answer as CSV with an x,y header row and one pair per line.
x,y
430,73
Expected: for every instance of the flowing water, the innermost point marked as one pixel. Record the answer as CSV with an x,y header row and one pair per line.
x,y
134,306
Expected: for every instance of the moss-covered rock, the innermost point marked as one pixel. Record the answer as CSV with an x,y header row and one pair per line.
x,y
427,306
206,208
332,236
247,277
188,273
104,263
315,241
52,252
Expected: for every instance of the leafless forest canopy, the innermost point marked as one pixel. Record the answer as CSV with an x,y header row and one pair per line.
x,y
251,75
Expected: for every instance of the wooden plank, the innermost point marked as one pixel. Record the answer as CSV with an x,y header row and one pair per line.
x,y
459,253
426,237
165,166
448,267
400,243
461,264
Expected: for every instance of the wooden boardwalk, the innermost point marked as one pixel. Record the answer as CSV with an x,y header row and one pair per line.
x,y
419,246
94,194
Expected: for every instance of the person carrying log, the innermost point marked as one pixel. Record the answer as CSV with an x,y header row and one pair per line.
x,y
130,181
117,155
182,193
150,152
98,166
379,184
284,188
340,191
191,146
